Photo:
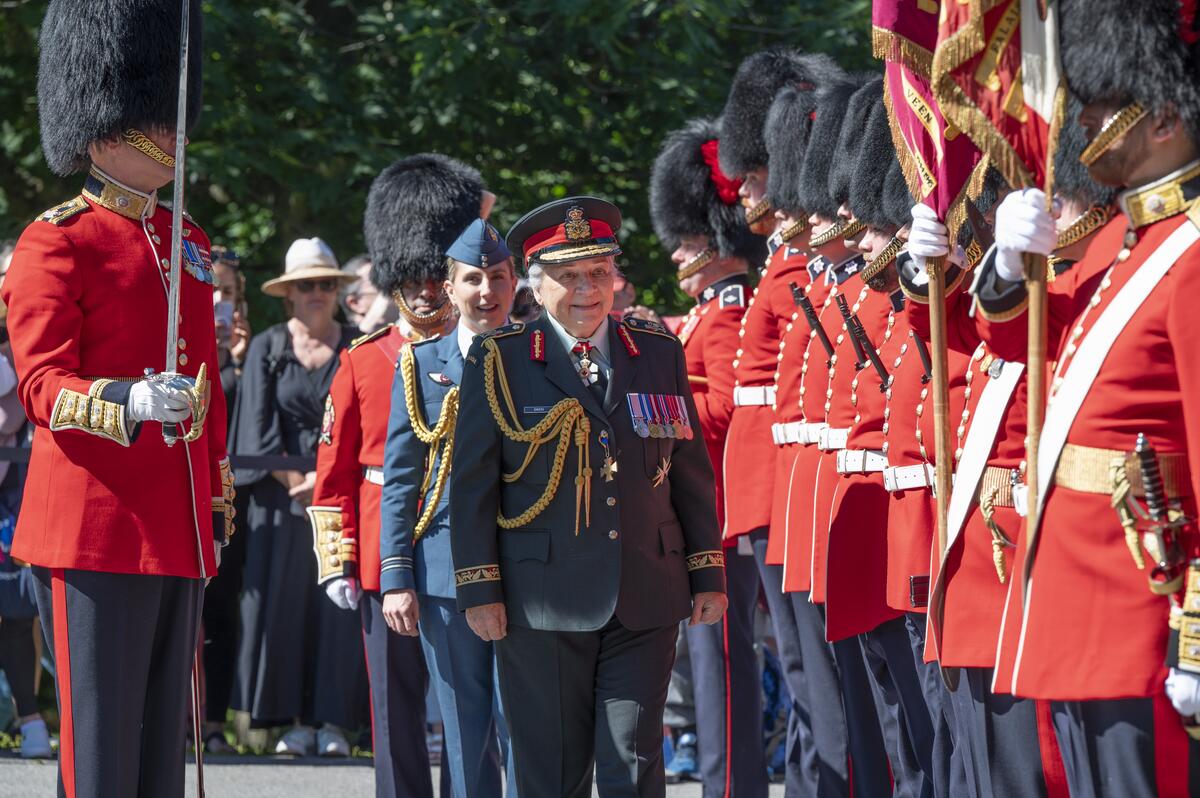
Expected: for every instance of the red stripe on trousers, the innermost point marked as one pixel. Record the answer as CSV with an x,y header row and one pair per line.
x,y
62,670
1170,749
1053,769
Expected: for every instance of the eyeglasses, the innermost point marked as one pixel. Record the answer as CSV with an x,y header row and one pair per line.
x,y
328,285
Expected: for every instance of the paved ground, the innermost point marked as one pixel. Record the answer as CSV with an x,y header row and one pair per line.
x,y
260,777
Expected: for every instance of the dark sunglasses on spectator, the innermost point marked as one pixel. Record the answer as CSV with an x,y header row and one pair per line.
x,y
328,285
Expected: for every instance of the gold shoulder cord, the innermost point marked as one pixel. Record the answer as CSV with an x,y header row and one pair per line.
x,y
565,421
440,439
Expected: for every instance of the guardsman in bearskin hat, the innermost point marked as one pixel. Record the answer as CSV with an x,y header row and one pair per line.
x,y
417,579
412,209
749,459
583,514
417,208
122,529
1008,742
697,216
1108,628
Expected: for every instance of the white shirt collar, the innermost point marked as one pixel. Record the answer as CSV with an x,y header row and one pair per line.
x,y
599,339
465,337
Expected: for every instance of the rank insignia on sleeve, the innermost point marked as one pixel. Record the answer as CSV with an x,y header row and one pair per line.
x,y
327,422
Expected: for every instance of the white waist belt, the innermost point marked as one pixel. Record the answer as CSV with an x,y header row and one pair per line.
x,y
373,474
796,432
832,438
860,461
909,477
749,395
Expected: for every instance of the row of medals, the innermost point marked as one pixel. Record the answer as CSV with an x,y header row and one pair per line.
x,y
674,428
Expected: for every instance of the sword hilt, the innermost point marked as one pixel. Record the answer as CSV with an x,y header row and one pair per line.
x,y
1152,479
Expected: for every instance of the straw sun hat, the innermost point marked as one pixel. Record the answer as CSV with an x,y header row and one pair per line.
x,y
306,259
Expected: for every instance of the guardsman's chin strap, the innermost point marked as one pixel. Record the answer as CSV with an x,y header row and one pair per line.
x,y
425,325
143,144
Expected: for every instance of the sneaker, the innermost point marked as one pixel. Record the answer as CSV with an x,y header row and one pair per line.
x,y
331,741
296,741
35,740
682,766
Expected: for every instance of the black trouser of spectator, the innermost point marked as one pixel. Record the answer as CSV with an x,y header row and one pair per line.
x,y
18,660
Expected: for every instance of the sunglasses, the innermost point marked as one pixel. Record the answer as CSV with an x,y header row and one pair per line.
x,y
328,285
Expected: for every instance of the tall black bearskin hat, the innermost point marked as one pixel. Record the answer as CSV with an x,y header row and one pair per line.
x,y
876,155
416,209
108,66
690,195
863,105
789,122
897,200
832,104
1071,177
758,80
1133,52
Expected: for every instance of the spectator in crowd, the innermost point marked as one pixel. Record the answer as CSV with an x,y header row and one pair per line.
x,y
18,609
220,630
361,300
624,295
300,658
525,306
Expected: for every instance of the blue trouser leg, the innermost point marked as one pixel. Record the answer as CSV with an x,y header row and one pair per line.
x,y
463,671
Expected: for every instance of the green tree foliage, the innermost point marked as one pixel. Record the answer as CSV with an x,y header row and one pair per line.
x,y
306,101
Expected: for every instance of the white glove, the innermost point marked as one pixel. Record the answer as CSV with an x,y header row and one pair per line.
x,y
343,592
927,236
1183,688
150,400
1022,225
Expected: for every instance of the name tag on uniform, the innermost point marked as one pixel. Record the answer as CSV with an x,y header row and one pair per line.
x,y
536,409
659,415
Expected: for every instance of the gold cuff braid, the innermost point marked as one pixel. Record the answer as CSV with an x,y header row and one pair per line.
x,y
89,413
1189,622
328,543
440,439
705,559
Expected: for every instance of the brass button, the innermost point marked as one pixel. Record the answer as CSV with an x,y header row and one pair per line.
x,y
150,226
182,344
333,561
612,501
183,360
612,534
166,264
156,239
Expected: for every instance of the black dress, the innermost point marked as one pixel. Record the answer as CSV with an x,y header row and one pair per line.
x,y
299,655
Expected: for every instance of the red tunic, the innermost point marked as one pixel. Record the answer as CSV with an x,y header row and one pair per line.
x,y
359,401
1090,627
87,300
709,337
857,537
749,457
837,401
794,346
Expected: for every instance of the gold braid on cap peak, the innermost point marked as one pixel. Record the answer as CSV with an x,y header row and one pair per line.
x,y
842,228
566,421
142,143
1111,132
701,259
440,439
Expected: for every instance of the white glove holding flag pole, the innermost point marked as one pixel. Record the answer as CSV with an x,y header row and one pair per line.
x,y
1022,225
343,592
929,238
1183,688
153,400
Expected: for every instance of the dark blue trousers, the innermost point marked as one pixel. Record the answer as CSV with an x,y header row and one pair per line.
x,y
801,775
463,670
907,724
727,684
396,668
998,738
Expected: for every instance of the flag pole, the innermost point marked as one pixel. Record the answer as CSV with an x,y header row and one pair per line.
x,y
1035,286
938,347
